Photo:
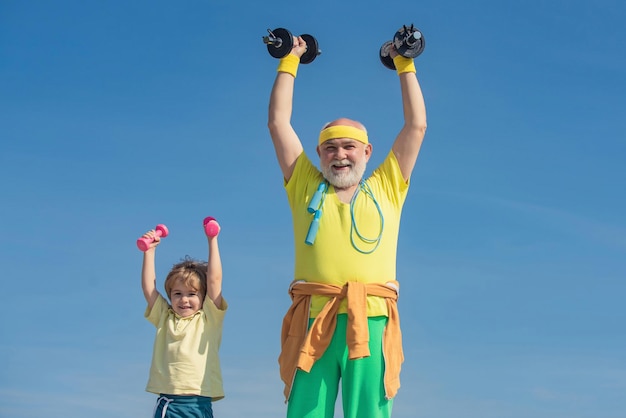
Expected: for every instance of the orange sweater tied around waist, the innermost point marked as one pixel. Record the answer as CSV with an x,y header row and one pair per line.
x,y
301,346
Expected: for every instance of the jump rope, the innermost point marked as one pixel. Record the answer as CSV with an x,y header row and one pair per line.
x,y
315,207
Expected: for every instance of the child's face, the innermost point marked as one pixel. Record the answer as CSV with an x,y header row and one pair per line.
x,y
186,300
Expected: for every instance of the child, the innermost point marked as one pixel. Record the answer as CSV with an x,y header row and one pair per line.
x,y
185,370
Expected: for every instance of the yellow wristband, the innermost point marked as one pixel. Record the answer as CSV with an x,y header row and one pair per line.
x,y
404,64
289,64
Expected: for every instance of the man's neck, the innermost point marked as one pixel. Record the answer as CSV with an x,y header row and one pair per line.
x,y
345,193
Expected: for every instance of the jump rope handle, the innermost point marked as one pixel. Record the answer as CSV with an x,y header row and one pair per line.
x,y
314,204
315,224
211,227
144,243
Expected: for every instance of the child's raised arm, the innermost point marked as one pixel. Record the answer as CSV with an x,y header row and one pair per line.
x,y
214,267
148,271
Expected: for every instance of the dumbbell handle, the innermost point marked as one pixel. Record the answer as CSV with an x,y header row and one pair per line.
x,y
272,39
144,243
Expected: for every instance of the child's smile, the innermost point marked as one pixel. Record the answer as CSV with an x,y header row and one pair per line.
x,y
186,301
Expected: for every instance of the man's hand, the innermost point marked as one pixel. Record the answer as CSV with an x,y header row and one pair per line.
x,y
392,51
299,46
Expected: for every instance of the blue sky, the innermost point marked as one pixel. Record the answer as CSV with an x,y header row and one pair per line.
x,y
116,116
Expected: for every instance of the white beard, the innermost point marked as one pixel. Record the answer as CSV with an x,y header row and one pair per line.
x,y
345,180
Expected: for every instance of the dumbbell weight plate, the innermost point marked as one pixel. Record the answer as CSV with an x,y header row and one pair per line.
x,y
406,44
312,49
385,58
162,229
282,48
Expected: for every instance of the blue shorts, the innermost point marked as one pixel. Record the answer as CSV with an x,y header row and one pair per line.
x,y
177,406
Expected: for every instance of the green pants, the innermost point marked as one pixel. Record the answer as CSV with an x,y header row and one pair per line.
x,y
313,394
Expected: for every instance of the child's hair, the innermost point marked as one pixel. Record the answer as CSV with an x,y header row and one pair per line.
x,y
190,272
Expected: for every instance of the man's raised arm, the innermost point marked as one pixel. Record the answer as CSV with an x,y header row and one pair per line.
x,y
408,142
286,142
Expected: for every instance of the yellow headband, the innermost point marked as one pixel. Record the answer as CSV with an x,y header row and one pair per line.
x,y
343,131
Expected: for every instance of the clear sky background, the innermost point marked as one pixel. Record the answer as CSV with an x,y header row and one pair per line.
x,y
119,115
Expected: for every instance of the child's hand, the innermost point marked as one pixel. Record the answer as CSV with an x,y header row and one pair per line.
x,y
211,227
152,236
151,239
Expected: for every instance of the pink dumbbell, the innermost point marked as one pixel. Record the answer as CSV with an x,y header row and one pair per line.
x,y
144,243
211,227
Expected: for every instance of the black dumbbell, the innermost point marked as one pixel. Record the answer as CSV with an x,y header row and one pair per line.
x,y
280,41
408,41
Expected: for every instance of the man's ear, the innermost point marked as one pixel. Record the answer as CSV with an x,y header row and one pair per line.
x,y
368,151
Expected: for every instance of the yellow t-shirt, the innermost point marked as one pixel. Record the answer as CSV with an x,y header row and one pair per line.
x,y
333,259
185,357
